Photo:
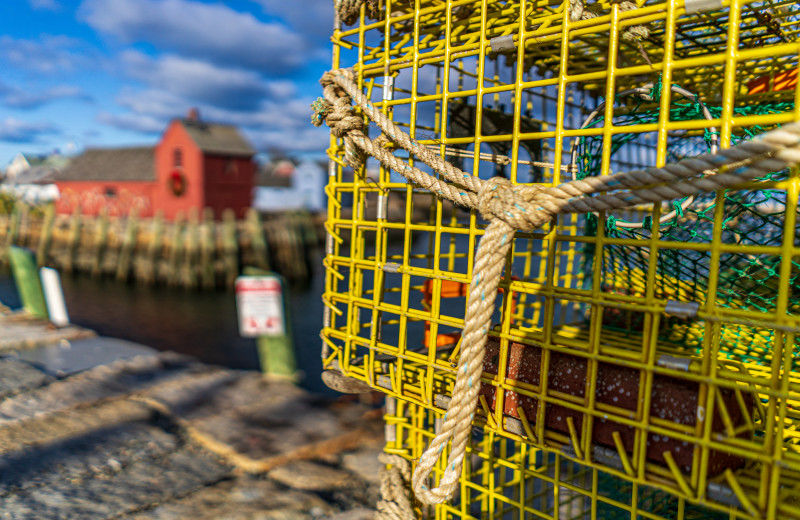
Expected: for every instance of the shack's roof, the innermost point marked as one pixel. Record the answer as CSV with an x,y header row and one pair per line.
x,y
217,139
111,164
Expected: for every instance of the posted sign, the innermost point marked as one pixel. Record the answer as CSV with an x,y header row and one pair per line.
x,y
259,301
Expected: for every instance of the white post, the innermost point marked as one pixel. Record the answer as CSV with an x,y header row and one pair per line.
x,y
54,297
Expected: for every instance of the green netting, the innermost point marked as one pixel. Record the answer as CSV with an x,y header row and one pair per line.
x,y
754,217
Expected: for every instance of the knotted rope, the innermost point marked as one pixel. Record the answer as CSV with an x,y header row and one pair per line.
x,y
578,11
395,503
349,10
510,207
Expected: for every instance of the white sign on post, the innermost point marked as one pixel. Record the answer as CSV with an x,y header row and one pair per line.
x,y
259,301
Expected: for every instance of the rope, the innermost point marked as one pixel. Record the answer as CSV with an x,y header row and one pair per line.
x,y
634,33
349,10
395,503
510,207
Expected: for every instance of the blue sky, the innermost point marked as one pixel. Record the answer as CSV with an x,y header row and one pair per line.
x,y
89,73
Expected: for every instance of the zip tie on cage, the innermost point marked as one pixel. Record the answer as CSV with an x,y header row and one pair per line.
x,y
699,6
508,208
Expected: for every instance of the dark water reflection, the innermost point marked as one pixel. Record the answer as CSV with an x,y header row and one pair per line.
x,y
197,323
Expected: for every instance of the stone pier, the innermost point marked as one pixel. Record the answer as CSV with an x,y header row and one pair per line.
x,y
95,428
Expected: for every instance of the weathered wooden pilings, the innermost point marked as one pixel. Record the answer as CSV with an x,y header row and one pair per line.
x,y
46,236
207,228
128,244
147,269
100,241
230,247
73,241
193,251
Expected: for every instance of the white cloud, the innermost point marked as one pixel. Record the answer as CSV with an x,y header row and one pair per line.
x,y
309,139
48,54
154,103
314,17
275,123
199,81
19,131
49,5
21,98
132,122
212,32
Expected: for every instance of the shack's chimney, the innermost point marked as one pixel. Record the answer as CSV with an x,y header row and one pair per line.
x,y
193,114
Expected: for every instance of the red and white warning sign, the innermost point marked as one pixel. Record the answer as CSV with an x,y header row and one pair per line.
x,y
259,301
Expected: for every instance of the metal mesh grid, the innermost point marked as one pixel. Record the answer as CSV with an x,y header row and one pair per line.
x,y
573,298
510,480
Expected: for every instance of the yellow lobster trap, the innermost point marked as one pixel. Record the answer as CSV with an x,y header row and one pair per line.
x,y
641,340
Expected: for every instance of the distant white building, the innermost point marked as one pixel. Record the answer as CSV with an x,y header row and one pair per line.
x,y
19,164
305,189
30,177
23,162
32,193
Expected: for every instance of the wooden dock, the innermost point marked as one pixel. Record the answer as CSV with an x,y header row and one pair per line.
x,y
193,251
162,436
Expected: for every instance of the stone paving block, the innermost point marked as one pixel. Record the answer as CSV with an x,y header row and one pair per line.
x,y
361,513
260,420
18,332
310,476
96,455
140,486
364,463
105,381
246,498
17,376
61,426
70,357
194,392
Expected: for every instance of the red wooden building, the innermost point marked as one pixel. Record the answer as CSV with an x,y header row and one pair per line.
x,y
195,165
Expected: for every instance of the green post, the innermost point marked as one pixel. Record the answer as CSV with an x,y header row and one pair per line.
x,y
26,277
276,352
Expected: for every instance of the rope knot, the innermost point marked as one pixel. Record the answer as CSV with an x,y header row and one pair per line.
x,y
329,78
321,108
348,10
335,110
516,205
342,118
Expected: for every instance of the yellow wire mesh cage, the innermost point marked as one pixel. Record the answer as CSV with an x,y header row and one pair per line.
x,y
649,351
508,479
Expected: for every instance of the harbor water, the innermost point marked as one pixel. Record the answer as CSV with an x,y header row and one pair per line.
x,y
197,323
